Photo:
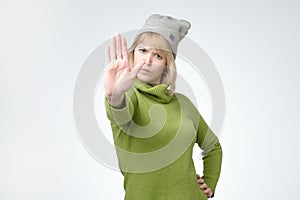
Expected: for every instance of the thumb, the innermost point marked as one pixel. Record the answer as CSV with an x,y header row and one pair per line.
x,y
136,69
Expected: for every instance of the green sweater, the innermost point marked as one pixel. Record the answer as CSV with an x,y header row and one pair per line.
x,y
154,136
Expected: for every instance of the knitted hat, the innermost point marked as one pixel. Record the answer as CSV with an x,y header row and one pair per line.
x,y
172,29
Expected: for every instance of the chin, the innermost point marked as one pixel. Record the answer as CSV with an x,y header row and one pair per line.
x,y
147,79
143,78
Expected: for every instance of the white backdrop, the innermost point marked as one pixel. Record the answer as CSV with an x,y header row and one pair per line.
x,y
254,44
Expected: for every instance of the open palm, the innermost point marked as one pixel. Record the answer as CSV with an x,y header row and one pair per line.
x,y
118,76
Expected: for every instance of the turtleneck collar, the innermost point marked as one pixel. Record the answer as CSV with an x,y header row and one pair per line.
x,y
157,93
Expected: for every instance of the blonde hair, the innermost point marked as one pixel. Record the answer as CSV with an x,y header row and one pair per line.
x,y
164,48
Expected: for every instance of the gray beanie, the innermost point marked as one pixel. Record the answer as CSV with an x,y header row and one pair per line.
x,y
172,29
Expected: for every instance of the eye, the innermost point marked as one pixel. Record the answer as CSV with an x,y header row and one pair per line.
x,y
158,56
142,50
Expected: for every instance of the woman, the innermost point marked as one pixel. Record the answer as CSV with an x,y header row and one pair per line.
x,y
154,128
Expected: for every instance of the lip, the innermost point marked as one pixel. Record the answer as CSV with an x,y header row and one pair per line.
x,y
145,70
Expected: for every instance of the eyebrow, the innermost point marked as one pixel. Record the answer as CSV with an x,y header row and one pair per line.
x,y
156,51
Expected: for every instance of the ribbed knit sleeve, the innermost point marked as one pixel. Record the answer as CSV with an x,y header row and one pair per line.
x,y
123,115
212,154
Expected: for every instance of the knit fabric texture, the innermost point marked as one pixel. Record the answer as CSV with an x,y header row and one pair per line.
x,y
154,136
172,29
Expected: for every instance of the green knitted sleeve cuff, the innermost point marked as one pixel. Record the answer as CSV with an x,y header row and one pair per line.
x,y
120,116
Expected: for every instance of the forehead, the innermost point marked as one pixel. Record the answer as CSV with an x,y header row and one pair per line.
x,y
152,43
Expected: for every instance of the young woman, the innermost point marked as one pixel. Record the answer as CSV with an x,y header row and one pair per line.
x,y
154,128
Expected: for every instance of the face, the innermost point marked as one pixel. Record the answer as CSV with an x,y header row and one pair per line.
x,y
153,63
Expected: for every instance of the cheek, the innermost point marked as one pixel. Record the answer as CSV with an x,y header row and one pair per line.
x,y
136,59
159,70
163,63
134,55
160,66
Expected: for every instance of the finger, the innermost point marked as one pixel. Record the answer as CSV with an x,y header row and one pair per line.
x,y
119,46
207,191
210,194
113,48
108,55
198,176
124,48
125,53
200,181
136,70
203,186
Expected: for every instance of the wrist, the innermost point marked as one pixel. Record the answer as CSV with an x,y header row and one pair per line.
x,y
117,100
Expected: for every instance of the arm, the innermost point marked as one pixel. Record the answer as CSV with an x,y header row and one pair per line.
x,y
212,157
118,76
123,114
118,79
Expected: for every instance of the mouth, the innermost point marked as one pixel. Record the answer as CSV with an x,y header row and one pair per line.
x,y
145,70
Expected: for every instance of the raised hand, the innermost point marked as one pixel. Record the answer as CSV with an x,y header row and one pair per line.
x,y
119,75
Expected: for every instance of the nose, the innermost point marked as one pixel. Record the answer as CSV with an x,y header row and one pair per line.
x,y
148,58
